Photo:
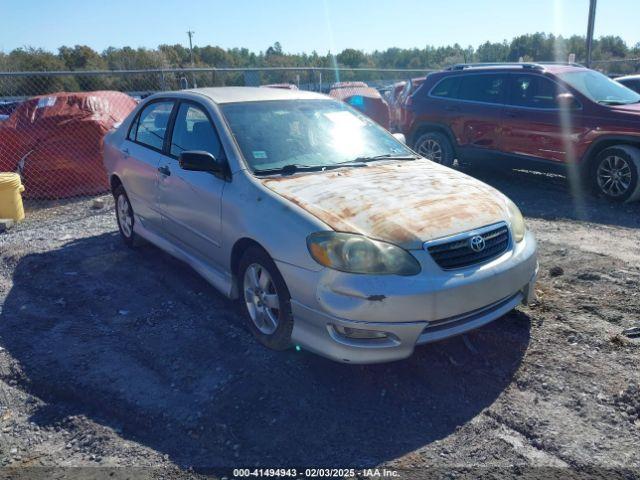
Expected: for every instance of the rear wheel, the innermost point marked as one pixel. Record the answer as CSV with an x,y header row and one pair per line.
x,y
435,146
266,300
615,171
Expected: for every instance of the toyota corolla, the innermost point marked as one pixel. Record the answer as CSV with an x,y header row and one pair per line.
x,y
331,232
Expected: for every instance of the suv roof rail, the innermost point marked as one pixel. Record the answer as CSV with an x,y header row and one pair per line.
x,y
464,66
523,65
569,64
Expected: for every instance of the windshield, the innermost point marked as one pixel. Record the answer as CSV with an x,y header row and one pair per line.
x,y
307,133
599,87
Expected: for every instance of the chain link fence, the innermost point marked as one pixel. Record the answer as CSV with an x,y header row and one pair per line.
x,y
52,124
617,67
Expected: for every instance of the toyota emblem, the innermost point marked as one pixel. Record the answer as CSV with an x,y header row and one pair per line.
x,y
477,243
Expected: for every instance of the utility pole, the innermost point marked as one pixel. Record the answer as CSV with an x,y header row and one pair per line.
x,y
592,20
190,33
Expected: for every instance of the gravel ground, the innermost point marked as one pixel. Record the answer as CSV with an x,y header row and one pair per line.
x,y
111,357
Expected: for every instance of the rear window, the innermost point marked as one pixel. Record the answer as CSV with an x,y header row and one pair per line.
x,y
482,88
446,88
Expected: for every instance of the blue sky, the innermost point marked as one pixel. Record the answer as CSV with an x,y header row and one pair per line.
x,y
302,25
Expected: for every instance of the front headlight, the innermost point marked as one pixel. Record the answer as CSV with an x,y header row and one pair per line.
x,y
516,219
353,253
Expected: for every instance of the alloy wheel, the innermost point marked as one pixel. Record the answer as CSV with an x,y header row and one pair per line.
x,y
125,219
614,176
431,150
261,298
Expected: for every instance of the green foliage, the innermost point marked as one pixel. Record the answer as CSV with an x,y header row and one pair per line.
x,y
536,46
530,47
352,58
31,59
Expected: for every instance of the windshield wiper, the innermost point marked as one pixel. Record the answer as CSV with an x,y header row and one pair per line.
x,y
292,168
385,156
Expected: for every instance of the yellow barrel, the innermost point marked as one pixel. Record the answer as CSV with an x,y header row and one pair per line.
x,y
10,199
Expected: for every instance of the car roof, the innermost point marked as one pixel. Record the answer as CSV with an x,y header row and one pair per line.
x,y
562,68
253,94
515,67
635,76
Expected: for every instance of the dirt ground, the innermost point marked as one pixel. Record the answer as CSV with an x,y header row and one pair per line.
x,y
111,357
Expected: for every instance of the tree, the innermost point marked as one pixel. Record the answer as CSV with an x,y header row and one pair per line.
x,y
37,60
610,47
81,57
177,55
530,47
215,57
351,58
493,52
576,44
276,49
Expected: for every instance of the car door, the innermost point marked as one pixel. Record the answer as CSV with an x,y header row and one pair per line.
x,y
475,115
143,151
533,124
190,202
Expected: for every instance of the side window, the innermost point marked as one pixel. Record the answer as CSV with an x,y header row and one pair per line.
x,y
193,131
634,85
482,88
534,91
152,124
446,88
133,130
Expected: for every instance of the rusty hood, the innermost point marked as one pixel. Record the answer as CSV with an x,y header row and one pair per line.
x,y
402,202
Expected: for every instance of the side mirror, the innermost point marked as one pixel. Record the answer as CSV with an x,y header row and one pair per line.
x,y
400,137
199,161
566,100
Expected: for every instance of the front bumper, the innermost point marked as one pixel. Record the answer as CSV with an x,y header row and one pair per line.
x,y
432,306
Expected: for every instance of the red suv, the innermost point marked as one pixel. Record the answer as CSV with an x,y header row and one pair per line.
x,y
549,114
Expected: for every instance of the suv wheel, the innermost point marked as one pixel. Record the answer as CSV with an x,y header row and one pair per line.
x,y
266,300
615,173
436,147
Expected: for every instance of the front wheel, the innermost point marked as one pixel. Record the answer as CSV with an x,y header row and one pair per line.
x,y
615,173
266,299
435,146
125,218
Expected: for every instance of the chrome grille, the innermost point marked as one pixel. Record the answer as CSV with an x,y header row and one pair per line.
x,y
459,254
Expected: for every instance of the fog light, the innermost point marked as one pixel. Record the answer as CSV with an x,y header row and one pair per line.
x,y
360,333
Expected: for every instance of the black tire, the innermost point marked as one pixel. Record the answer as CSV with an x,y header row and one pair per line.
x,y
435,146
625,161
130,238
280,339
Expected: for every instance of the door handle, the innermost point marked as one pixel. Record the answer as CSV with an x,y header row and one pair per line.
x,y
164,170
452,108
513,114
125,150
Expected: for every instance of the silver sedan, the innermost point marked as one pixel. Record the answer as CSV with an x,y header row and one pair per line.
x,y
332,233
